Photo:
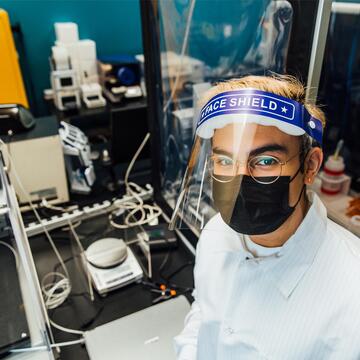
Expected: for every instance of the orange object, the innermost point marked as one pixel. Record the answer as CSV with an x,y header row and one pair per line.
x,y
353,207
12,90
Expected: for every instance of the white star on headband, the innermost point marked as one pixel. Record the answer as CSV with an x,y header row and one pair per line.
x,y
284,109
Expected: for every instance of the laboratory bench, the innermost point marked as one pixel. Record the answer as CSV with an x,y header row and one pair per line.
x,y
78,311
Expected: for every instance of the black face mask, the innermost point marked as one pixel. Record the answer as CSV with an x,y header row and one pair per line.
x,y
258,208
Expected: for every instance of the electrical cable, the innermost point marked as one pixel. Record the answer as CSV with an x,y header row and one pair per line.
x,y
178,270
56,345
82,253
148,213
65,329
72,227
75,225
167,278
54,293
82,294
47,205
13,251
165,260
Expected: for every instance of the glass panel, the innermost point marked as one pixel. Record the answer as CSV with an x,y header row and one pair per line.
x,y
339,91
203,42
339,96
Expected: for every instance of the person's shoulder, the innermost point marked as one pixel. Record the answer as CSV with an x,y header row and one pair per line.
x,y
349,243
339,241
343,258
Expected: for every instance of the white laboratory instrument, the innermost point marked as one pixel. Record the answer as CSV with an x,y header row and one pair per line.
x,y
92,95
106,280
36,158
74,70
106,253
78,162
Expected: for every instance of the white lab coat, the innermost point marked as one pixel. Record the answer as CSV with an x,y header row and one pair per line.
x,y
301,303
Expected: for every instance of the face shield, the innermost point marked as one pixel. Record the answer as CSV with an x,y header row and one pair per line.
x,y
241,163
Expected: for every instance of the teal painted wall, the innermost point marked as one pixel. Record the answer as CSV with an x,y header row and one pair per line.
x,y
114,25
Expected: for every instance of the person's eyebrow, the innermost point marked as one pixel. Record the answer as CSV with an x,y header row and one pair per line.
x,y
266,148
269,148
219,151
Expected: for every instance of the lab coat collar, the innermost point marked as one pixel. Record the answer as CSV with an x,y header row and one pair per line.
x,y
286,268
299,251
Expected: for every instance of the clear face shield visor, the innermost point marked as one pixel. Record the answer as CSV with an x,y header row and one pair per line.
x,y
241,165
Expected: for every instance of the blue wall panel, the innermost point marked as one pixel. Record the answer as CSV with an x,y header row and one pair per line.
x,y
114,25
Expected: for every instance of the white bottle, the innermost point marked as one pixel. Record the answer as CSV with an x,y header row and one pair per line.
x,y
333,175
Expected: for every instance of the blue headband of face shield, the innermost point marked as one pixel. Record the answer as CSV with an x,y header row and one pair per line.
x,y
283,112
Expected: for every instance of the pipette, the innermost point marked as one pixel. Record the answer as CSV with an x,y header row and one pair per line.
x,y
338,149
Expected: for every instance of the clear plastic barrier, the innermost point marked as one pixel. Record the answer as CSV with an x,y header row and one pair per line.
x,y
203,42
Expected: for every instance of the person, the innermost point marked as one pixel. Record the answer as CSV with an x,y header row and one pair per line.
x,y
274,277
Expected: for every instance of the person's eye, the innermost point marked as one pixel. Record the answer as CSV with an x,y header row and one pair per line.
x,y
224,161
265,161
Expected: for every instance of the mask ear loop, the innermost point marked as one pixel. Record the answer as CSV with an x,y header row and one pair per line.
x,y
299,198
304,186
296,174
301,165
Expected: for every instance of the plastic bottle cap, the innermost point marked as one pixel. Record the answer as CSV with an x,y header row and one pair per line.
x,y
335,164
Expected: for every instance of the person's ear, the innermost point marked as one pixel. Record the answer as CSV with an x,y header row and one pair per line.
x,y
312,164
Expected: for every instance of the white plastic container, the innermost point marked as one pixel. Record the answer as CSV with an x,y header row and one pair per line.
x,y
66,32
333,175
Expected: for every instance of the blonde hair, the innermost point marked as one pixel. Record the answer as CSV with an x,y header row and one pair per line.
x,y
283,85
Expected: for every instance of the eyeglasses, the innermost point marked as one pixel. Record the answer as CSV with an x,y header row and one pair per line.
x,y
264,169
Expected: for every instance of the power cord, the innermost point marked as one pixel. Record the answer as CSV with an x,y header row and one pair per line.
x,y
148,213
54,293
13,251
57,345
47,205
163,265
167,278
65,329
20,184
79,294
82,254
